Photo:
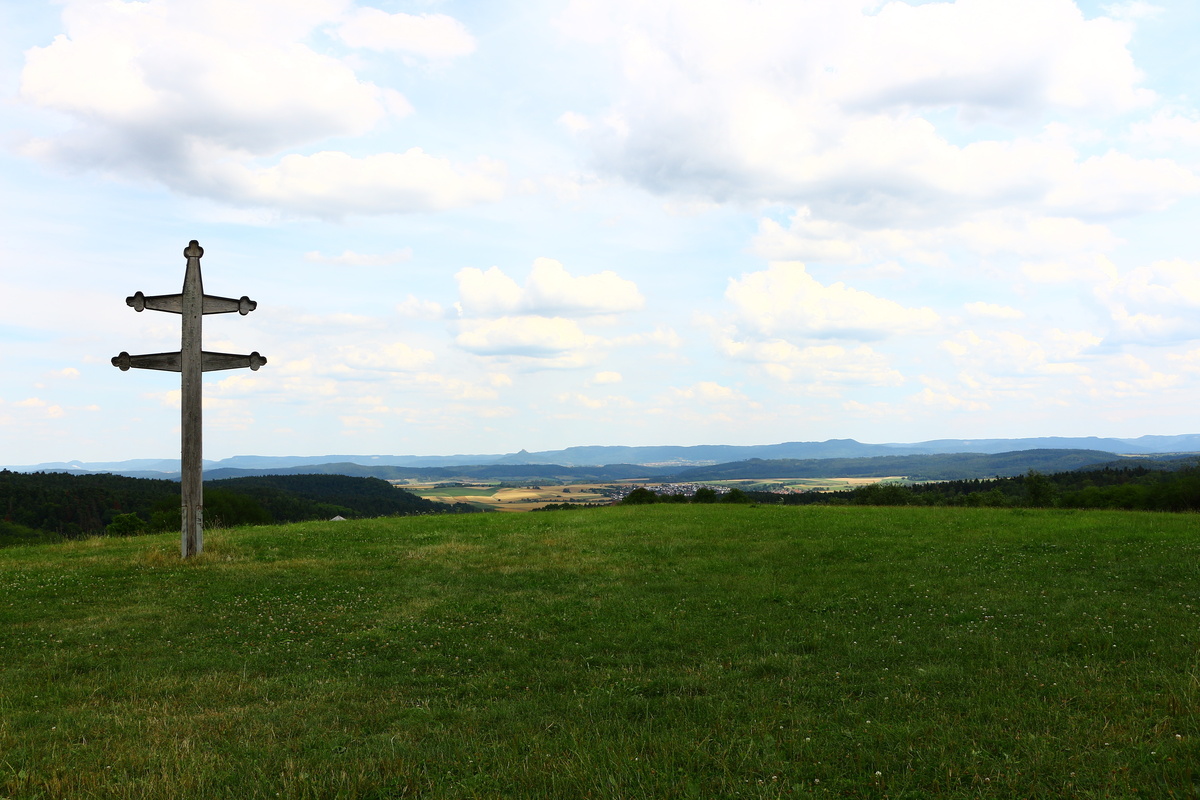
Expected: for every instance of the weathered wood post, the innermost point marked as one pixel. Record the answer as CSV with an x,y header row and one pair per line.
x,y
191,360
191,462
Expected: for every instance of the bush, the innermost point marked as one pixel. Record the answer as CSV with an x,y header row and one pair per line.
x,y
881,494
125,525
640,496
12,533
735,496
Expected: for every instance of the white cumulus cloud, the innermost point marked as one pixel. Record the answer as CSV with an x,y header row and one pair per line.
x,y
1168,128
1003,353
549,290
393,357
435,36
332,183
532,336
1157,303
785,300
144,75
821,104
817,366
209,97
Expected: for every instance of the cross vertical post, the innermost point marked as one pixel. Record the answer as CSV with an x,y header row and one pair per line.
x,y
191,360
191,466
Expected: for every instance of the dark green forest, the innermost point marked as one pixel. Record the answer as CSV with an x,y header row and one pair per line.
x,y
1132,488
49,506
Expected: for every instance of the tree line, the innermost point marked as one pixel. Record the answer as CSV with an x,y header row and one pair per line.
x,y
1133,488
49,506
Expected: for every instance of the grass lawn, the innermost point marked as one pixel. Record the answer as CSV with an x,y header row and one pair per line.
x,y
626,652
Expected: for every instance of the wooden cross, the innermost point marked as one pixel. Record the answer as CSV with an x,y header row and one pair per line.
x,y
192,304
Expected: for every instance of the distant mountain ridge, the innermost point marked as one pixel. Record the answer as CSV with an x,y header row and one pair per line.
x,y
658,457
931,467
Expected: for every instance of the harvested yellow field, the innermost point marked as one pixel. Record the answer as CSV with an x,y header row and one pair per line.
x,y
526,498
509,498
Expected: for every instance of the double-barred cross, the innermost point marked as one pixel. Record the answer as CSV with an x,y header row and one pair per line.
x,y
190,360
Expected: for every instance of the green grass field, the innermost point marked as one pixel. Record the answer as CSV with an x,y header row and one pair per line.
x,y
683,651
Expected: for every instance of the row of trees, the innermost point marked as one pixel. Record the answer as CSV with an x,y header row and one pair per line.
x,y
1132,488
704,494
1129,488
642,496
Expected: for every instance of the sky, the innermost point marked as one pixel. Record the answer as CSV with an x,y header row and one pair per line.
x,y
531,224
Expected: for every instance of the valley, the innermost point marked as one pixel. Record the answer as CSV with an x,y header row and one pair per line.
x,y
502,496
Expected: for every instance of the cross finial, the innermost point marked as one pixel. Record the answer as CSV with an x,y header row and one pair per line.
x,y
193,250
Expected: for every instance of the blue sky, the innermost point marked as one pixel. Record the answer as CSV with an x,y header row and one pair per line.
x,y
476,228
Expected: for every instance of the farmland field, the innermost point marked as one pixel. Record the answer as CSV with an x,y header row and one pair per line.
x,y
496,497
666,651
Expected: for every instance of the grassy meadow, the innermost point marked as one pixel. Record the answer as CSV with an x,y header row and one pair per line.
x,y
673,651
